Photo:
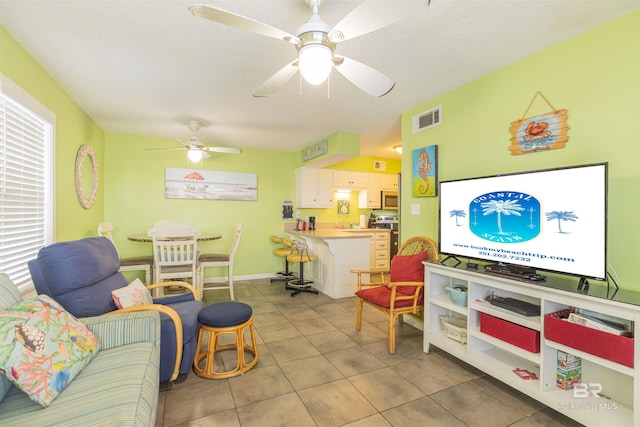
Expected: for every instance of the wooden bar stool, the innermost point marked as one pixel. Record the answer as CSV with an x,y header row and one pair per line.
x,y
225,318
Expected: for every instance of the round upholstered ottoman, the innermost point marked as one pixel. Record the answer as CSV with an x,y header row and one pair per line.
x,y
225,318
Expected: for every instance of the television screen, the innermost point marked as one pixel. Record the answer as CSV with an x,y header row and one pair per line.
x,y
554,220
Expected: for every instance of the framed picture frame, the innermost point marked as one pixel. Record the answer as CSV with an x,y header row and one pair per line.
x,y
424,179
210,185
344,207
539,133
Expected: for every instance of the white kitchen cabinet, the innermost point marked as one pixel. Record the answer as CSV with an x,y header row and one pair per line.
x,y
314,188
389,182
350,180
370,197
609,393
380,247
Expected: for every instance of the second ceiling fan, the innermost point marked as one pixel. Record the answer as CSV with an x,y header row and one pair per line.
x,y
196,150
316,42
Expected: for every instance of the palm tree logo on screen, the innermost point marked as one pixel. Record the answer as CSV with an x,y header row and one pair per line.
x,y
561,216
505,217
458,213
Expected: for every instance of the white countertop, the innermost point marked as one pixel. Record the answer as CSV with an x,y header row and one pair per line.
x,y
330,233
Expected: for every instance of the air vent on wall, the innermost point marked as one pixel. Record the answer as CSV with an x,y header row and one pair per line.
x,y
427,119
379,165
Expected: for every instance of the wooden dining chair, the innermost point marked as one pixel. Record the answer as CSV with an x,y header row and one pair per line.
x,y
404,292
139,263
219,260
175,253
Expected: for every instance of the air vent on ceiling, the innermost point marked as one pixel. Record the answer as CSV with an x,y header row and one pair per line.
x,y
427,119
379,165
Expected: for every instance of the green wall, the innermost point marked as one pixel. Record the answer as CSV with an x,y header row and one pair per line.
x,y
134,199
73,128
596,77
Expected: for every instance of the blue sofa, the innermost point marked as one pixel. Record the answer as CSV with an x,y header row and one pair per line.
x,y
81,275
119,386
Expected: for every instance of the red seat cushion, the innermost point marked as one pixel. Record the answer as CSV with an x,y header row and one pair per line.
x,y
382,296
407,268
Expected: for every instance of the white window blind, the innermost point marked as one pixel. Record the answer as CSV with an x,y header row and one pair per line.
x,y
26,181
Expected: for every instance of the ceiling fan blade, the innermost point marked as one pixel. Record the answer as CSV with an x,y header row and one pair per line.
x,y
241,22
161,149
228,150
366,78
372,15
205,155
279,79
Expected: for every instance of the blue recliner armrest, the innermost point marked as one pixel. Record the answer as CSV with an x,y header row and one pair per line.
x,y
38,279
81,275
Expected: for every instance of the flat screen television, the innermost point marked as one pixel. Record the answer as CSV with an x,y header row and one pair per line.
x,y
554,219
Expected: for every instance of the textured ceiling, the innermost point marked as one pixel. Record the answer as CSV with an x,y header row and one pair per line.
x,y
145,67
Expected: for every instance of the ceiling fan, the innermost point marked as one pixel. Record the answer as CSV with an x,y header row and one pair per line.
x,y
197,151
316,42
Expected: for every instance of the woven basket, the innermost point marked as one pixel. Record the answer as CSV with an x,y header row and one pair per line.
x,y
455,328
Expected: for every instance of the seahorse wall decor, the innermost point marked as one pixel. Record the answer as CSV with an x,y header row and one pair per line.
x,y
425,178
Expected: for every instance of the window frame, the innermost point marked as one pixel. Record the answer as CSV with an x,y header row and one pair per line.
x,y
11,90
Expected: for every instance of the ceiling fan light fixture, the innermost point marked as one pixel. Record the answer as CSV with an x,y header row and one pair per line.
x,y
194,154
315,63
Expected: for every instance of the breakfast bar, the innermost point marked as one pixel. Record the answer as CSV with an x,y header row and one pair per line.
x,y
337,252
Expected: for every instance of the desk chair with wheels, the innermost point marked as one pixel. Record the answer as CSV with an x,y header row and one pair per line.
x,y
300,254
144,263
219,260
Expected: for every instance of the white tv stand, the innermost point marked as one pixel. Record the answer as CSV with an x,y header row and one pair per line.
x,y
498,358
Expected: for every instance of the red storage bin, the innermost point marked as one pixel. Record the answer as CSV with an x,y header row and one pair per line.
x,y
609,346
520,336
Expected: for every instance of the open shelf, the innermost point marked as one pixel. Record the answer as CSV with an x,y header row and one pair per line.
x,y
587,356
443,300
500,364
516,351
442,341
499,358
531,322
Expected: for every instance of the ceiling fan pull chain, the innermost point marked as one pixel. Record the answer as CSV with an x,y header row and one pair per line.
x,y
328,87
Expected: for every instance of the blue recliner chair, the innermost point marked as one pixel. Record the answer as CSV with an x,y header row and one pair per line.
x,y
81,274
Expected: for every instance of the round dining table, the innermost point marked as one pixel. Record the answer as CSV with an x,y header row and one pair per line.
x,y
145,238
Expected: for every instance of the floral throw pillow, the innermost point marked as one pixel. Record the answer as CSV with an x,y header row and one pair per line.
x,y
135,293
43,347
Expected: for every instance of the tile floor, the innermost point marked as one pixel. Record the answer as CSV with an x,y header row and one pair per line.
x,y
315,369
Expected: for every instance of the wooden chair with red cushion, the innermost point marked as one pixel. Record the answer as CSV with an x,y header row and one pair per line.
x,y
404,292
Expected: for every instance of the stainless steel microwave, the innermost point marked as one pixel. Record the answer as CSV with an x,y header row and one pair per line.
x,y
389,200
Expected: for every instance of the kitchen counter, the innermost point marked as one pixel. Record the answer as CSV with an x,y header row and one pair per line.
x,y
337,251
364,230
334,233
